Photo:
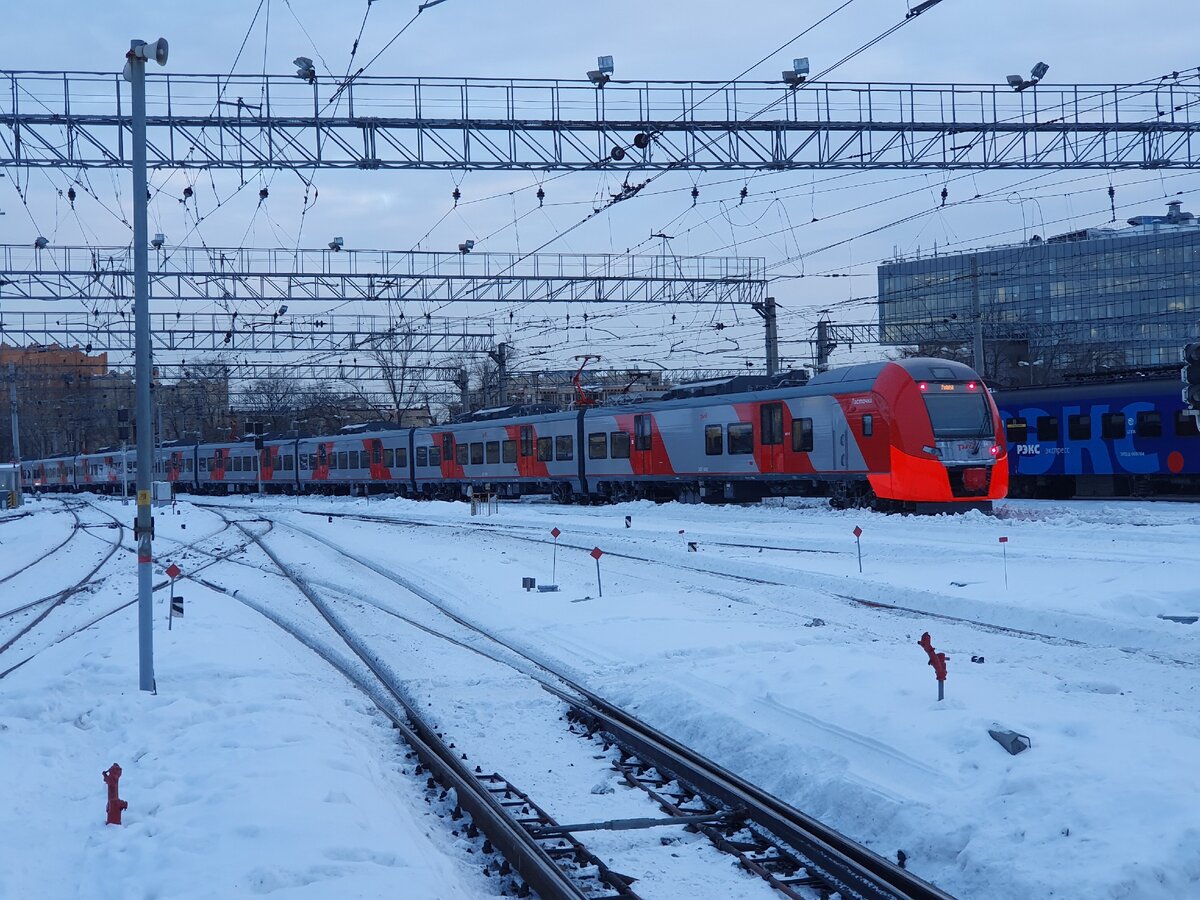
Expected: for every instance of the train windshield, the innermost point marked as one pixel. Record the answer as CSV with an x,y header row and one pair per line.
x,y
959,415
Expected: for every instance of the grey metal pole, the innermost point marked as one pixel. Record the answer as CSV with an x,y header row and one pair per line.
x,y
772,336
12,406
144,526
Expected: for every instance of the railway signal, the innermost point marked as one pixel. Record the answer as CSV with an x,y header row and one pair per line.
x,y
554,532
858,546
1190,375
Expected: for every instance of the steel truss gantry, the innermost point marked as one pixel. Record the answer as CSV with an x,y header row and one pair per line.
x,y
273,277
185,332
82,119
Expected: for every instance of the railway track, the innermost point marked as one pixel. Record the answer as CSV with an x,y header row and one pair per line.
x,y
794,853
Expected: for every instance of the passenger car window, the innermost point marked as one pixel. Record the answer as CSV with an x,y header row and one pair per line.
x,y
741,438
508,451
598,445
435,456
1148,424
1112,426
1016,430
1079,428
1047,428
402,457
477,453
460,453
620,444
1186,425
493,452
422,456
802,435
714,439
545,449
563,448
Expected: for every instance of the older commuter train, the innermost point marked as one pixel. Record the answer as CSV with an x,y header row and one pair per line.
x,y
916,433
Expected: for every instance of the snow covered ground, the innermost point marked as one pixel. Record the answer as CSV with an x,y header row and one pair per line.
x,y
256,769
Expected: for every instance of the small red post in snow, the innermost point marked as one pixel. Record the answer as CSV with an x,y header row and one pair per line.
x,y
116,805
596,554
937,660
173,572
554,563
858,546
1004,549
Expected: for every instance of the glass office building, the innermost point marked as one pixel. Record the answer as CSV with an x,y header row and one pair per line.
x,y
1092,301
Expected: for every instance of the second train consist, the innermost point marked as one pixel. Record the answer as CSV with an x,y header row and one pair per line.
x,y
911,434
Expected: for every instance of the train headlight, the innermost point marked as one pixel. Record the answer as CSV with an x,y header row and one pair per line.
x,y
994,450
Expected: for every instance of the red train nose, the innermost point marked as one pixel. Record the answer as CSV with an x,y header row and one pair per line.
x,y
975,479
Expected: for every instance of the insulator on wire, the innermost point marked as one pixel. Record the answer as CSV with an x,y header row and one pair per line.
x,y
695,194
541,195
187,193
945,194
262,194
457,195
743,194
71,195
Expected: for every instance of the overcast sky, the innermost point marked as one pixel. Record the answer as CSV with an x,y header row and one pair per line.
x,y
960,40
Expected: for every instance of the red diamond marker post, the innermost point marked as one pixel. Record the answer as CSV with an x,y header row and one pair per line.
x,y
173,571
554,532
858,546
173,610
1004,549
596,554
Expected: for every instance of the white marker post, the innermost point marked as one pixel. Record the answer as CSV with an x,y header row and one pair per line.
x,y
596,554
858,546
554,561
1004,548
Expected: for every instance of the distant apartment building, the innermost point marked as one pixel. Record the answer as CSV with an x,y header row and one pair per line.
x,y
1086,302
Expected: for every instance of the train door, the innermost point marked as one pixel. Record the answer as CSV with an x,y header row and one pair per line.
x,y
771,436
643,443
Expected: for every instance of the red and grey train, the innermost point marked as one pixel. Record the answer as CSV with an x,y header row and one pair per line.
x,y
914,433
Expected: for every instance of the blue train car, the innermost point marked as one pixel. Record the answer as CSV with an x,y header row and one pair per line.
x,y
1130,438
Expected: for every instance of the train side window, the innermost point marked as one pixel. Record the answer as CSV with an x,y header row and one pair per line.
x,y
527,440
343,458
598,445
714,439
802,435
741,438
1112,426
868,425
508,451
477,453
402,457
1016,430
448,445
493,452
620,444
288,460
435,456
1148,424
352,459
460,453
1047,428
642,434
422,456
1186,425
1079,428
545,449
564,447
389,457
771,416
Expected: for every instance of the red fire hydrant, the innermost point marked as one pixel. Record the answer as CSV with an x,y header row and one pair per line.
x,y
116,805
937,660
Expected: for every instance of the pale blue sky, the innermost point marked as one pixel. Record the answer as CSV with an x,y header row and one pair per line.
x,y
960,40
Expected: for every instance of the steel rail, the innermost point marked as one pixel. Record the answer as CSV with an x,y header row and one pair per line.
x,y
517,845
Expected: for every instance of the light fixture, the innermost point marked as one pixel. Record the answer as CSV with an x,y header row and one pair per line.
x,y
156,51
1036,74
794,77
41,243
282,310
466,247
304,69
336,244
602,74
159,240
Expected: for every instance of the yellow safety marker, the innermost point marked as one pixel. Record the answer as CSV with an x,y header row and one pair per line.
x,y
143,498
